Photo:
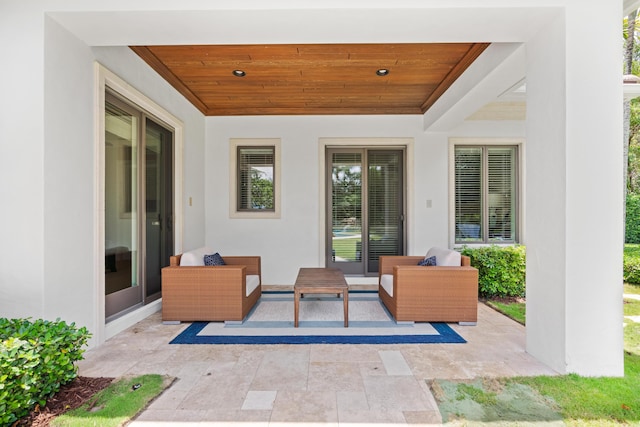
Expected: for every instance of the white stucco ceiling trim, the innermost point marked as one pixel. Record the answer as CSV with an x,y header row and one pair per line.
x,y
500,67
419,23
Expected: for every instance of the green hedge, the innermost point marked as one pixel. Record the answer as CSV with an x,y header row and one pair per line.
x,y
631,264
632,222
501,270
36,358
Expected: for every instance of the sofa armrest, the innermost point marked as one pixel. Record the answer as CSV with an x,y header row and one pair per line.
x,y
387,262
253,263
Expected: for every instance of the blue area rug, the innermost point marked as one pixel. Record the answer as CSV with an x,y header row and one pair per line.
x,y
321,322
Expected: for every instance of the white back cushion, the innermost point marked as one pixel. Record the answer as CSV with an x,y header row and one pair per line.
x,y
445,257
195,257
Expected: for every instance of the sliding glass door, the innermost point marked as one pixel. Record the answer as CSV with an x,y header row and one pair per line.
x,y
138,206
365,200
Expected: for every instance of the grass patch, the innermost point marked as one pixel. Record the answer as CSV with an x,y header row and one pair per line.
x,y
514,310
116,404
492,401
631,307
630,288
346,248
632,339
593,401
577,401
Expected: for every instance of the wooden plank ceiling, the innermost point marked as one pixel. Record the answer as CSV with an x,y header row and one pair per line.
x,y
296,79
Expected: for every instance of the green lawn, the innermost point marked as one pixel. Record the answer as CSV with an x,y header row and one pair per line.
x,y
346,248
117,404
580,401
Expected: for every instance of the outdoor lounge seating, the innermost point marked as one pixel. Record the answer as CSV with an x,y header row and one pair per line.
x,y
192,291
446,292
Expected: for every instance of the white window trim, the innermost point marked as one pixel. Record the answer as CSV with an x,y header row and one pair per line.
x,y
355,142
105,78
453,142
234,143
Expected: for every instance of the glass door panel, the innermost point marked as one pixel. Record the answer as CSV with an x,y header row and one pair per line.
x,y
121,208
385,206
158,206
346,212
365,199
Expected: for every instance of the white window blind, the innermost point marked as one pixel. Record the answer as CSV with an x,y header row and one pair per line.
x,y
256,182
485,194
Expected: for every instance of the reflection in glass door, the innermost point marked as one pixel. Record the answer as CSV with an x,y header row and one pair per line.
x,y
122,276
385,206
159,204
138,206
365,208
345,205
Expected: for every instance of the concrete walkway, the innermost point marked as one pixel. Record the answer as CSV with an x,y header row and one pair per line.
x,y
328,384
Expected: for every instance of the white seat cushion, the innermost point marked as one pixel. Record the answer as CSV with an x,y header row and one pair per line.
x,y
253,281
445,257
386,281
195,257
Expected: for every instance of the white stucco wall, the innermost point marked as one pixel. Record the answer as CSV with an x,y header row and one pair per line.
x,y
21,162
70,254
296,239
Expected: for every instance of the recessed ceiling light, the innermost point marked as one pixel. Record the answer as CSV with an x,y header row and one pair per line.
x,y
239,73
382,71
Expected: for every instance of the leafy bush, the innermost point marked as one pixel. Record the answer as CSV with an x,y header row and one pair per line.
x,y
631,265
501,270
632,223
36,358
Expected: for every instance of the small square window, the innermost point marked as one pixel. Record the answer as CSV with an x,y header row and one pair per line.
x,y
255,184
255,180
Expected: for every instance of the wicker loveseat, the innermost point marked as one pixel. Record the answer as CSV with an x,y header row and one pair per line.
x,y
429,293
210,293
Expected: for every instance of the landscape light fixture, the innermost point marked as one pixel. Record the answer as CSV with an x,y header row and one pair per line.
x,y
382,72
239,73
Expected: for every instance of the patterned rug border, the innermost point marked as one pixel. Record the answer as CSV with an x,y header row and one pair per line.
x,y
446,335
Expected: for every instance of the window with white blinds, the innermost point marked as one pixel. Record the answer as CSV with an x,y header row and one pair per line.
x,y
486,194
255,181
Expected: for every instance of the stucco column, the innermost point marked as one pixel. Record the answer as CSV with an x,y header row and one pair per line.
x,y
574,195
21,161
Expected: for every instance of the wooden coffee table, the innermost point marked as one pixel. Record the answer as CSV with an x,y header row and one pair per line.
x,y
320,281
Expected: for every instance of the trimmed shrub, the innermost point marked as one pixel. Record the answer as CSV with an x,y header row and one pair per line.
x,y
632,222
631,264
501,270
36,358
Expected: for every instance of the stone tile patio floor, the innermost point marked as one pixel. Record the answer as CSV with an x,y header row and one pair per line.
x,y
327,384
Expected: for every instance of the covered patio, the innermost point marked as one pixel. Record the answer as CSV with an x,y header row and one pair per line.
x,y
62,54
328,384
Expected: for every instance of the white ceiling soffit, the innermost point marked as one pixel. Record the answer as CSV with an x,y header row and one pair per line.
x,y
500,68
305,25
629,6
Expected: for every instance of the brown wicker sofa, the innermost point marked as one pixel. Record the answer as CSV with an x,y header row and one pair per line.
x,y
210,293
429,294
